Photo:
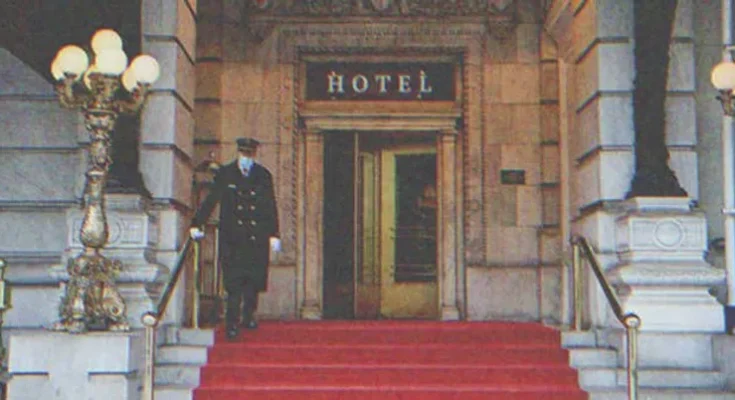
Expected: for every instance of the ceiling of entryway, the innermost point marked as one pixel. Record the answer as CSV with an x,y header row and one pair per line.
x,y
33,30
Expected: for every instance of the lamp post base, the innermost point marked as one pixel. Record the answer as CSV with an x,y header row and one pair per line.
x,y
91,300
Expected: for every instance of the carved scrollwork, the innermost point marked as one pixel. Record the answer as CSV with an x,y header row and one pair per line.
x,y
91,297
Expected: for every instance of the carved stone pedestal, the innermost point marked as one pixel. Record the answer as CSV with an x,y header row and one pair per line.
x,y
662,275
133,236
63,366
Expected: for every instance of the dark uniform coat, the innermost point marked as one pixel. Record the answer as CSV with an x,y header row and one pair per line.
x,y
248,218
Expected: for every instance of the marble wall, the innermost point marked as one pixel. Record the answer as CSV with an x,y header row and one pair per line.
x,y
42,176
167,127
521,224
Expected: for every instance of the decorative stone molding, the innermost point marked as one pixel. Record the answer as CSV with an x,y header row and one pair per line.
x,y
662,275
377,122
558,23
664,230
376,32
469,21
429,8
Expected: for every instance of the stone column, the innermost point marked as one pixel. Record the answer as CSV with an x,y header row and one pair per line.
x,y
661,239
310,224
447,229
167,128
653,22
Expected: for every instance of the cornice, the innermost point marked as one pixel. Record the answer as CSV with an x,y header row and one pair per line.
x,y
360,17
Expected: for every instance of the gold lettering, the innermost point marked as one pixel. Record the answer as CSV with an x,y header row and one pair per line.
x,y
336,81
360,83
424,89
382,81
404,85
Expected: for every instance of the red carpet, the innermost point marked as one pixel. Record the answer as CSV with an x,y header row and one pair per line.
x,y
406,360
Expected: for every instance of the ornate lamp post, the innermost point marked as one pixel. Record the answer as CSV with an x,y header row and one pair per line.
x,y
723,79
91,299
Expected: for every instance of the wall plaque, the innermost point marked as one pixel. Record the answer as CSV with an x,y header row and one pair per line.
x,y
513,177
402,81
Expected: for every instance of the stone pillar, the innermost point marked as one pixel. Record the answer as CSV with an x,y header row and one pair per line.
x,y
167,127
662,275
310,224
63,366
653,22
447,229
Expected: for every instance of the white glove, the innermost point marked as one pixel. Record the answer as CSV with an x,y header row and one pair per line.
x,y
196,233
275,244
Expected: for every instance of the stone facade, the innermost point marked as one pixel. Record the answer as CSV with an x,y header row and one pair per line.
x,y
544,91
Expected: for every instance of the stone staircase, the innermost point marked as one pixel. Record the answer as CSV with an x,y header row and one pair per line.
x,y
599,365
178,361
602,373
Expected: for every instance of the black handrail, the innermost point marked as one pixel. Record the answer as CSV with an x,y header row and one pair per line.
x,y
168,290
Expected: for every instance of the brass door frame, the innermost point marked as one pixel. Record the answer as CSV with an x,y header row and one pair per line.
x,y
310,201
390,290
366,254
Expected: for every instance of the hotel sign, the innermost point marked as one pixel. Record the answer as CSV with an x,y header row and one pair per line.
x,y
405,81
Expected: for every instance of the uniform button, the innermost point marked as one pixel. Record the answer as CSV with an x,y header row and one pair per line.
x,y
239,207
253,223
239,222
252,237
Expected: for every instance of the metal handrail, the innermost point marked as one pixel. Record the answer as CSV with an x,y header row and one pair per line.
x,y
630,321
151,319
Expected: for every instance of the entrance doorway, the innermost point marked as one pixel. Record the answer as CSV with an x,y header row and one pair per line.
x,y
380,229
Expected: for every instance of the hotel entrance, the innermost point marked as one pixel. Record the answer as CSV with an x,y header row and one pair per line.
x,y
380,225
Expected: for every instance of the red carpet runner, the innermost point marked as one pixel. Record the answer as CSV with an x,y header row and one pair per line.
x,y
406,360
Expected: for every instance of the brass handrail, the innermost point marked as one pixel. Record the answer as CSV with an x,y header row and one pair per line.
x,y
630,321
151,319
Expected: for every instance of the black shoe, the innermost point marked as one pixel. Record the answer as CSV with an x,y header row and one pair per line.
x,y
252,324
232,333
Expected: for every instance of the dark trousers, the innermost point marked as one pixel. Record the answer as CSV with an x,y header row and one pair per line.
x,y
243,267
242,296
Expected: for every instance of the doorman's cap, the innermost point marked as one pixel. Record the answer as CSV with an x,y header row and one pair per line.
x,y
244,143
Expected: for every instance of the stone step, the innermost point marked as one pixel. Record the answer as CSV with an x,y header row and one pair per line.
x,y
676,378
651,378
189,336
592,357
177,374
173,392
181,354
597,378
660,394
574,339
